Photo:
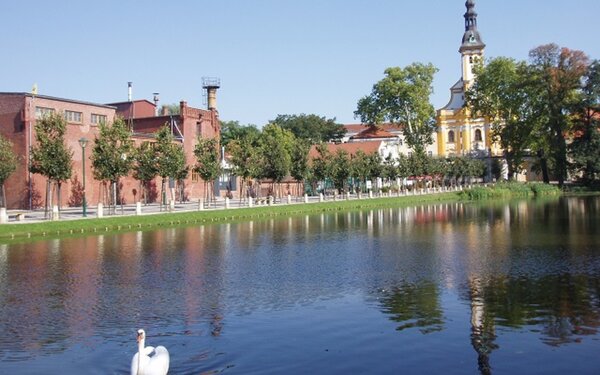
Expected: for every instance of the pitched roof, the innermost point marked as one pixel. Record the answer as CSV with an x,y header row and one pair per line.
x,y
373,132
350,148
357,128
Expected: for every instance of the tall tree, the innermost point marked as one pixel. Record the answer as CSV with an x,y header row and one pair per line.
x,y
319,166
299,169
340,169
8,164
232,131
359,168
145,168
402,98
558,73
170,158
244,158
311,127
208,163
275,147
113,155
585,148
502,93
50,157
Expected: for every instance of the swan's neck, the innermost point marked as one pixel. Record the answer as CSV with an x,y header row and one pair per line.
x,y
141,345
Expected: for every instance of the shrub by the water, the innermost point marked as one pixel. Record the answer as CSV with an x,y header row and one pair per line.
x,y
509,190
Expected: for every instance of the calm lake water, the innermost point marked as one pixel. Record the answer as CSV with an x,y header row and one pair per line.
x,y
447,288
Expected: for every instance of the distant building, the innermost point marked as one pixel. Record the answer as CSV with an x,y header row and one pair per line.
x,y
19,112
458,133
390,135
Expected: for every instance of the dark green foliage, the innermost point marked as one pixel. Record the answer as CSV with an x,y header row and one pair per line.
x,y
312,128
170,158
50,157
299,169
503,93
585,149
8,164
557,79
339,169
275,147
113,152
402,98
233,131
208,160
145,167
509,190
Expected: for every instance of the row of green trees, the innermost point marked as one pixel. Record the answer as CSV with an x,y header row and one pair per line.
x,y
274,153
352,172
114,156
547,107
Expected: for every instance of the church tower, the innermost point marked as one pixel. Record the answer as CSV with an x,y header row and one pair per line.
x,y
457,132
471,49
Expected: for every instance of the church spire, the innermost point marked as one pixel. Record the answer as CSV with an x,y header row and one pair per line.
x,y
471,38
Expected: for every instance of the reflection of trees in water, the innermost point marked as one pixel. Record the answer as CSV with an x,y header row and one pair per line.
x,y
563,307
483,332
414,305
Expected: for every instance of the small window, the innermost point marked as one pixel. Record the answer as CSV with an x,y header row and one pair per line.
x,y
451,136
98,119
478,137
195,176
430,153
41,112
72,116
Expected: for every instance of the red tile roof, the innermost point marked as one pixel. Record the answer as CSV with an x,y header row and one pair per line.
x,y
351,148
357,128
373,132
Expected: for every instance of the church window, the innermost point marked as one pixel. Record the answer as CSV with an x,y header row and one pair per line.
x,y
471,59
478,137
451,136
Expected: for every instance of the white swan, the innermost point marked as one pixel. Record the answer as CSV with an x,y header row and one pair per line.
x,y
148,360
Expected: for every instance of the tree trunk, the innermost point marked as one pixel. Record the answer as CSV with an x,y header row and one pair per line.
x,y
58,194
48,197
162,193
544,166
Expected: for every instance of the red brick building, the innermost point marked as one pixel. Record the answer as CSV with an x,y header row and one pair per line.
x,y
19,111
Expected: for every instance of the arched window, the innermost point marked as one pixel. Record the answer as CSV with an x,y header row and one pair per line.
x,y
478,137
451,136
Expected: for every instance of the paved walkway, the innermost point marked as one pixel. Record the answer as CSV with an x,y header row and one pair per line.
x,y
74,213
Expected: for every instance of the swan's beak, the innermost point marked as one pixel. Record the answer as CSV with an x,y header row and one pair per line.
x,y
139,337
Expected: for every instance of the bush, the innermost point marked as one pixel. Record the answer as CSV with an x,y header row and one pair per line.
x,y
509,190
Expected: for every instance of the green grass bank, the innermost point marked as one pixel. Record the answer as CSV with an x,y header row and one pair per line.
x,y
52,229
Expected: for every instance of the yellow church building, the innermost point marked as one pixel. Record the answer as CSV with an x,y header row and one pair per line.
x,y
458,133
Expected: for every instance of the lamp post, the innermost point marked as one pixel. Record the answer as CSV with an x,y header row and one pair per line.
x,y
83,142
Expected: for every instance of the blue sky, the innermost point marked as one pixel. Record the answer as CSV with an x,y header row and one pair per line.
x,y
273,56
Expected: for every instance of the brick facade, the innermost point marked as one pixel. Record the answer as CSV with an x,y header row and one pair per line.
x,y
17,121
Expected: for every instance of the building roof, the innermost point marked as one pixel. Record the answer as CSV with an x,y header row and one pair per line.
x,y
28,94
373,132
471,39
350,148
357,128
133,101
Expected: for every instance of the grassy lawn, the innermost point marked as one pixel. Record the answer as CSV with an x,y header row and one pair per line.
x,y
51,229
11,232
